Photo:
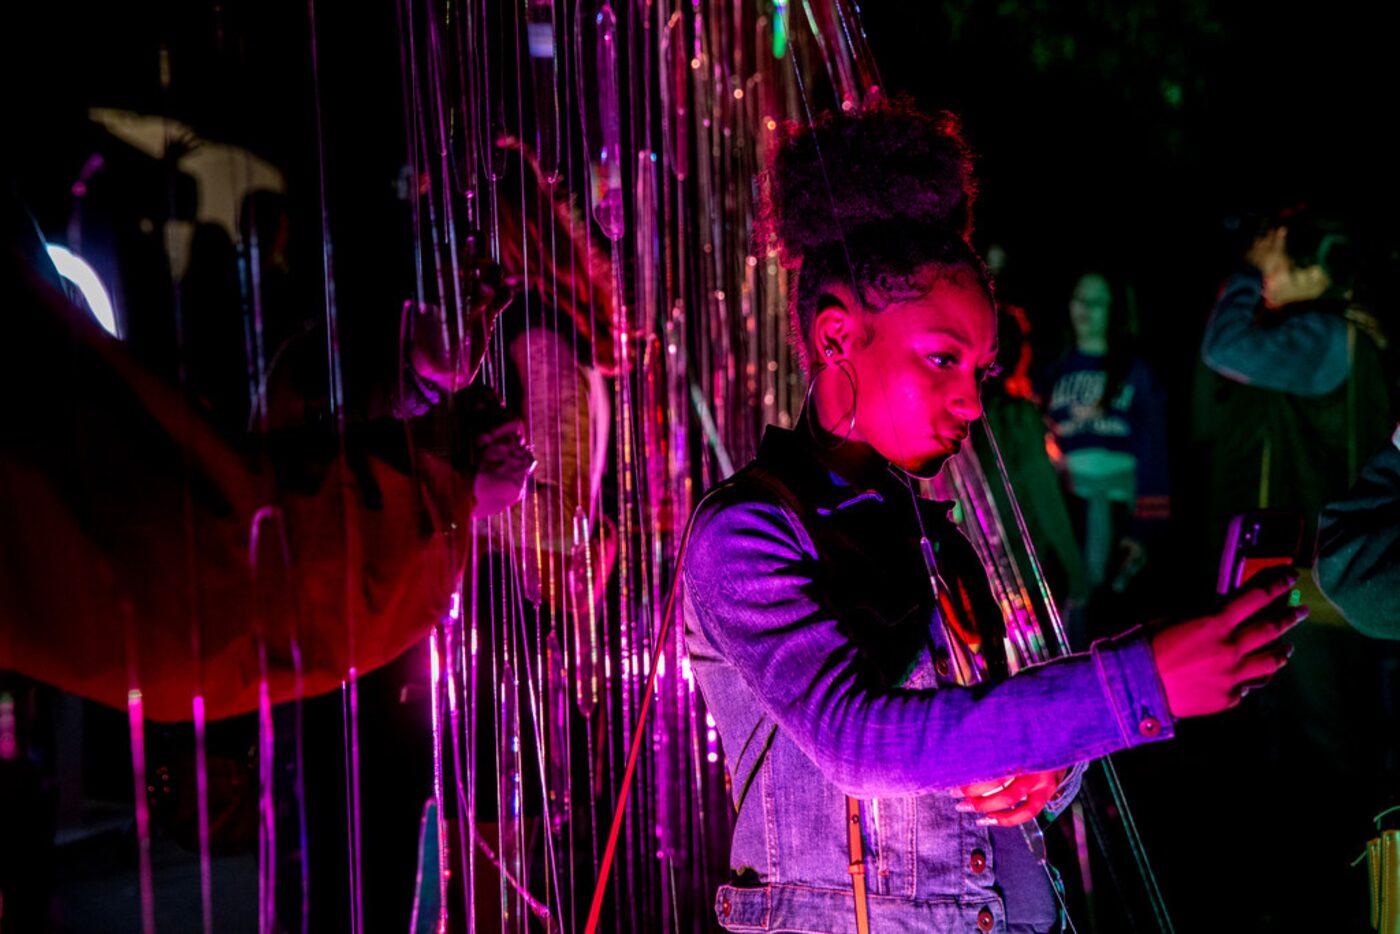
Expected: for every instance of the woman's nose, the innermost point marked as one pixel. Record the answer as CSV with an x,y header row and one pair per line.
x,y
966,402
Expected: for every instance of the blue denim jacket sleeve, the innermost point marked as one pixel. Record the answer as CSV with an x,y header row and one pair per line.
x,y
1304,353
1358,548
753,582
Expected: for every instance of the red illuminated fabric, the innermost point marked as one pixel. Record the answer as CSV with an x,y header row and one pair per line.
x,y
127,527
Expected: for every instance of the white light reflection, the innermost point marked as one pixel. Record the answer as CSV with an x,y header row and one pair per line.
x,y
77,271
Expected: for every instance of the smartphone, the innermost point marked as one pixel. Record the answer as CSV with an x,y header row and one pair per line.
x,y
1256,540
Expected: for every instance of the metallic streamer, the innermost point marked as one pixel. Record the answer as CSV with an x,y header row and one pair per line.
x,y
607,200
557,711
703,359
510,844
136,722
541,32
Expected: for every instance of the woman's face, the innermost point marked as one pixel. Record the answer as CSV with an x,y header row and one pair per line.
x,y
1089,307
918,368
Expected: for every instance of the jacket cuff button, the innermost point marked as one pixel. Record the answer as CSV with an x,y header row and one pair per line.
x,y
724,906
1150,727
985,920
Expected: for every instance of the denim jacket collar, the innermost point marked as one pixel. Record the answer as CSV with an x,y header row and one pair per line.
x,y
832,483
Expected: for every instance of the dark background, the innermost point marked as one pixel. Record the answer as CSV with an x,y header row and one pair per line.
x,y
1147,136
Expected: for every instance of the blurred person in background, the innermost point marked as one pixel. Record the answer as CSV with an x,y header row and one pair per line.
x,y
1295,404
1107,416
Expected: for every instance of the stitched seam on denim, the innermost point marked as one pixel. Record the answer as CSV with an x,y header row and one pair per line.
x,y
749,742
911,817
753,770
1097,653
914,814
1156,678
944,901
770,820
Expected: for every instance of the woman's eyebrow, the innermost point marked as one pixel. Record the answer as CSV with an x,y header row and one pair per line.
x,y
954,333
960,337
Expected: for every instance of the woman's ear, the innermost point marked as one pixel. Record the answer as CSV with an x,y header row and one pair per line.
x,y
835,327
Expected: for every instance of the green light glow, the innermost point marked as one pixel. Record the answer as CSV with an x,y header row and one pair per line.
x,y
780,28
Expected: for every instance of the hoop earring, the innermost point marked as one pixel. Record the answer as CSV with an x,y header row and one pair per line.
x,y
847,370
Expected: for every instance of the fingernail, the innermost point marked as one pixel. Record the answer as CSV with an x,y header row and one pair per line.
x,y
986,822
1301,613
963,807
1292,578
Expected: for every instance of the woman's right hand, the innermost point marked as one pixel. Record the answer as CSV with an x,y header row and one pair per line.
x,y
1209,663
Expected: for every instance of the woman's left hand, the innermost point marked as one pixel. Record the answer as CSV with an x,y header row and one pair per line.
x,y
1012,800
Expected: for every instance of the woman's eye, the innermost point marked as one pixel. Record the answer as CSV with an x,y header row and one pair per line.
x,y
942,360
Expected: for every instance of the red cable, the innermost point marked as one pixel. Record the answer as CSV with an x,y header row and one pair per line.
x,y
605,870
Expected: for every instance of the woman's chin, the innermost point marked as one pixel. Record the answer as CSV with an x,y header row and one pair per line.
x,y
927,468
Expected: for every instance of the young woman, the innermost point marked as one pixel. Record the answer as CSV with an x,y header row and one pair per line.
x,y
872,791
1108,417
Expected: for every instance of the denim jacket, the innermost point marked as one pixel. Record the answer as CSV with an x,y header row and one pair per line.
x,y
808,622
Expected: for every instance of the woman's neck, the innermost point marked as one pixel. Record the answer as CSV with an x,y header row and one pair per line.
x,y
855,461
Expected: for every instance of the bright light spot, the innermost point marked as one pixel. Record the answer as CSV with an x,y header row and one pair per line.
x,y
771,124
709,720
76,270
695,64
685,667
433,664
711,735
738,94
456,610
711,757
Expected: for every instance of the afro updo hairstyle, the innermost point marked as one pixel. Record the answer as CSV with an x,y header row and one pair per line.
x,y
879,199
